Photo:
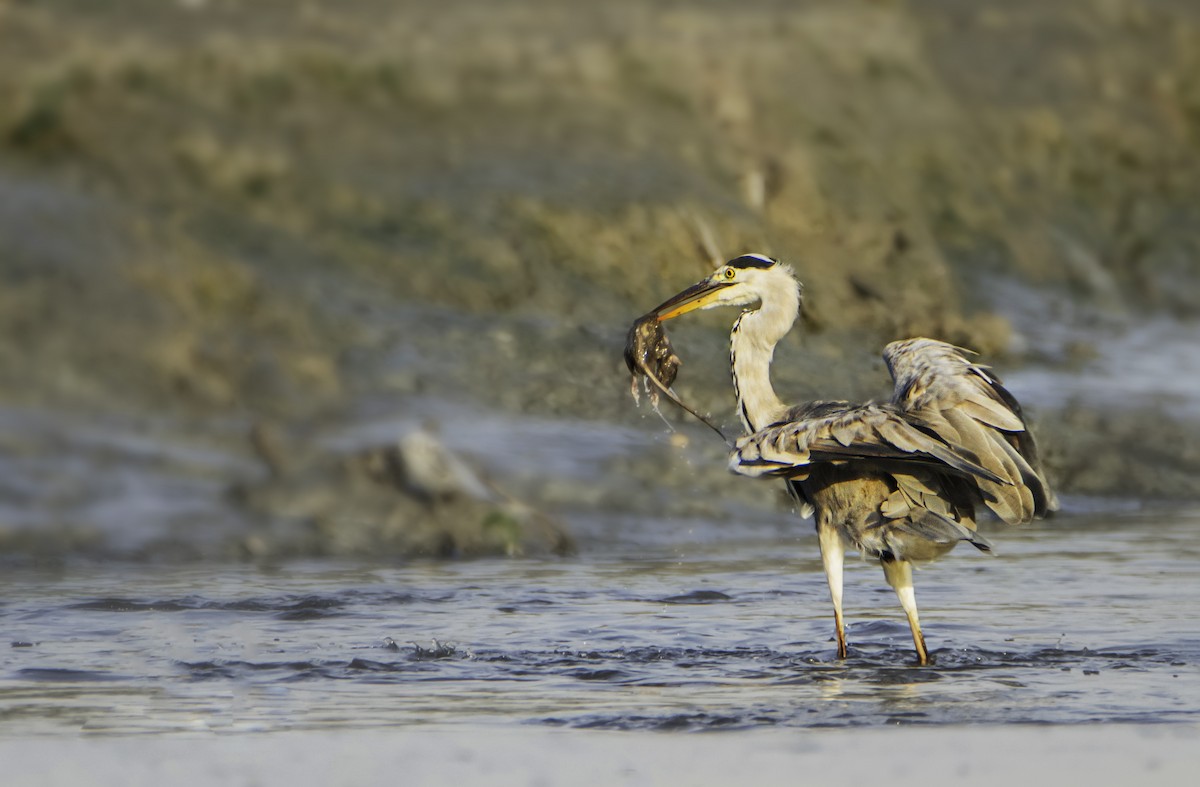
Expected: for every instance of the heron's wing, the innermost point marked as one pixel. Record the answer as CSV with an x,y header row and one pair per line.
x,y
941,393
839,432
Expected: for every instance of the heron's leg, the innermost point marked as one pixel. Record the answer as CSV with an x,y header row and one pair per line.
x,y
899,576
833,552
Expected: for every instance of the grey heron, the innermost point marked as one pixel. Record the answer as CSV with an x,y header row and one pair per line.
x,y
897,480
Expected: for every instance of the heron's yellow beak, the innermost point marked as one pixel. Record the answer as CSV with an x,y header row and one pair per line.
x,y
695,297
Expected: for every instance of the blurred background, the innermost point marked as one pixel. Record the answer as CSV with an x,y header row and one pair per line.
x,y
297,279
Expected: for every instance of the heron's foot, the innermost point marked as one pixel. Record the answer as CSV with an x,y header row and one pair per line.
x,y
840,629
922,651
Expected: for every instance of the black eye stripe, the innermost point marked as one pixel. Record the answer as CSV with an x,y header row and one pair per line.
x,y
751,261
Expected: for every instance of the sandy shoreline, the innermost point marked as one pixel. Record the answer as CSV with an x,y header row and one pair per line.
x,y
930,756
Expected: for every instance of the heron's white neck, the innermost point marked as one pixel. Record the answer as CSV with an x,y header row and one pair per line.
x,y
751,348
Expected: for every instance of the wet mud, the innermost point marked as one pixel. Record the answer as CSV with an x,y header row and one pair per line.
x,y
232,219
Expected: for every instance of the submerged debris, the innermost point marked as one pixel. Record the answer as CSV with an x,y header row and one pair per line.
x,y
411,497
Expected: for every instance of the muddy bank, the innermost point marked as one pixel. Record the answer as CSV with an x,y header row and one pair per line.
x,y
230,214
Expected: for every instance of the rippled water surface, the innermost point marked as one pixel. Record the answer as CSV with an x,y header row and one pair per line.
x,y
1090,617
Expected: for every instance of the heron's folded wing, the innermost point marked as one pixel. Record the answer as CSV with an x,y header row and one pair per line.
x,y
837,432
943,394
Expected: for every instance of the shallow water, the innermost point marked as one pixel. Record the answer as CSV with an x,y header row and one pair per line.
x,y
1155,364
1087,618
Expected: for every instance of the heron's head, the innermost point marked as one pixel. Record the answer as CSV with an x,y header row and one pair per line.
x,y
743,281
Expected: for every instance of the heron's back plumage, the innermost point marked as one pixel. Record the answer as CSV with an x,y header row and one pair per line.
x,y
940,391
902,478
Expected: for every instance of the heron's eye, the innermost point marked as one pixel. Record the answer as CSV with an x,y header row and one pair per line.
x,y
730,273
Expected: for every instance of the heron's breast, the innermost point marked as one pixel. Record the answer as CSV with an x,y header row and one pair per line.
x,y
847,496
850,499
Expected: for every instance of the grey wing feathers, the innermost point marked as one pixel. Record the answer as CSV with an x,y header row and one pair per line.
x,y
837,432
940,392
